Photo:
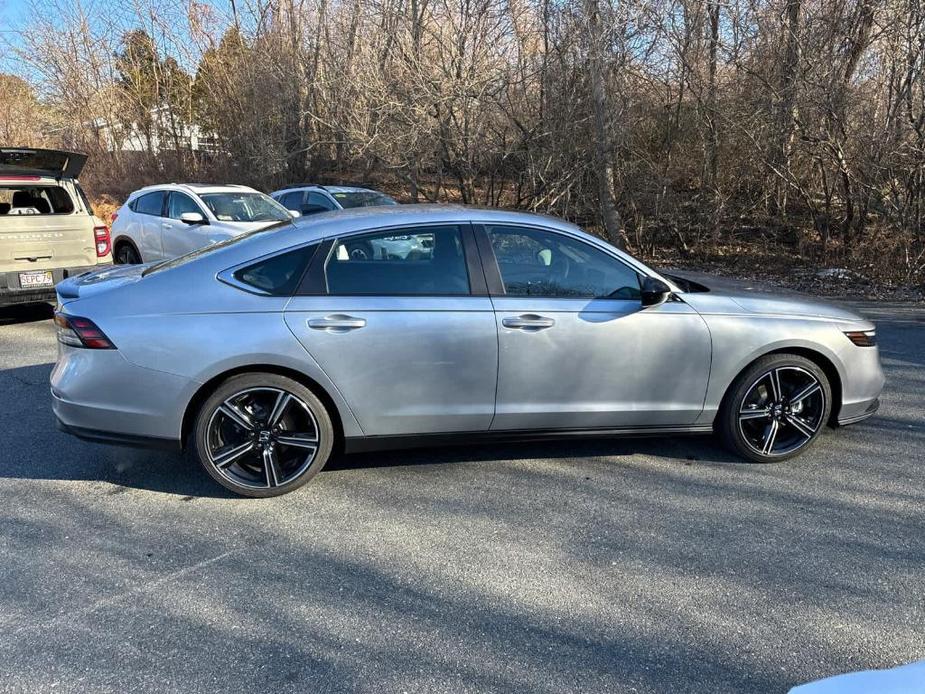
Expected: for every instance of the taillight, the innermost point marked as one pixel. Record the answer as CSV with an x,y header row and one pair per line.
x,y
863,338
80,332
103,241
112,218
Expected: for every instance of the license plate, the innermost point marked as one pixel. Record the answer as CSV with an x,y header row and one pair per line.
x,y
36,278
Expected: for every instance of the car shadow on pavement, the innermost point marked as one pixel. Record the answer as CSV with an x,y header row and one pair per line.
x,y
26,313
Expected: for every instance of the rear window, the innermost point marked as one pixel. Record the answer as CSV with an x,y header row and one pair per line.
x,y
150,203
35,200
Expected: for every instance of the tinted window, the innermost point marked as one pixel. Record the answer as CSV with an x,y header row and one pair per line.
x,y
292,201
420,260
365,198
279,275
534,262
150,203
321,201
179,203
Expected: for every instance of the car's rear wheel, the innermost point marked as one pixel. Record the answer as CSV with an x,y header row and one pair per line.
x,y
263,434
776,408
126,255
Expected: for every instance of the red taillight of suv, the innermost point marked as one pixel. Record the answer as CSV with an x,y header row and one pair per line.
x,y
103,241
80,332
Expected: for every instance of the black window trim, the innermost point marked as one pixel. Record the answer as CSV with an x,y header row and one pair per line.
x,y
314,282
493,271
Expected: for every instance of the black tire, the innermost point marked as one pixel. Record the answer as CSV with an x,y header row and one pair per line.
x,y
253,398
126,254
751,418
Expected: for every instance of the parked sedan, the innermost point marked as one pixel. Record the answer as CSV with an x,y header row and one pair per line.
x,y
266,352
166,221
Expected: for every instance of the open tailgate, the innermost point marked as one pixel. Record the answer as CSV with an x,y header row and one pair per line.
x,y
28,161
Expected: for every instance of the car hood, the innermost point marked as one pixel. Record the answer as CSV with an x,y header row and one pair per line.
x,y
97,281
767,305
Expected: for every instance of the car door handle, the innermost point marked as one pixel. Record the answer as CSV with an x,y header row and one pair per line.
x,y
529,321
337,323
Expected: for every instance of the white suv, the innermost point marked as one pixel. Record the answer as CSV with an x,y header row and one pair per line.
x,y
169,220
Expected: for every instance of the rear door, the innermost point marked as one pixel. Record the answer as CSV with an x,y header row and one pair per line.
x,y
577,348
149,212
178,237
410,342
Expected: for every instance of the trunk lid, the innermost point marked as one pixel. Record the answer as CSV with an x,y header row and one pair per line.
x,y
98,281
28,161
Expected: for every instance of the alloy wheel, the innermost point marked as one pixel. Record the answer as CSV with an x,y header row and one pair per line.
x,y
262,438
782,411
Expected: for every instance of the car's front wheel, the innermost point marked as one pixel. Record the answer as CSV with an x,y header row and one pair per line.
x,y
263,434
776,408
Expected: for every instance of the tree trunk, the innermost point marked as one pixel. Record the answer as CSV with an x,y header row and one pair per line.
x,y
603,143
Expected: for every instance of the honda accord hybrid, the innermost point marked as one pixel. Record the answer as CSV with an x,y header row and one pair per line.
x,y
263,354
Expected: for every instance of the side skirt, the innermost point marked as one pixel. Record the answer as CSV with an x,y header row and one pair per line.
x,y
363,444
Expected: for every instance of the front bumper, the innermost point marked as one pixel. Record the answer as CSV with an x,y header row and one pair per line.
x,y
12,293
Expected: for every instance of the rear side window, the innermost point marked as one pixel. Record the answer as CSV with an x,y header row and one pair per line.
x,y
35,200
150,203
292,201
279,275
423,261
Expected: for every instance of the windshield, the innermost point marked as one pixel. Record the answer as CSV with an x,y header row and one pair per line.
x,y
366,198
199,252
244,207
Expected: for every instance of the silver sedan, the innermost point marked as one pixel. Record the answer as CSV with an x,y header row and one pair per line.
x,y
265,353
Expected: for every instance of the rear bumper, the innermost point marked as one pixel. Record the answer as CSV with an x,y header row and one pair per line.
x,y
858,412
117,439
11,293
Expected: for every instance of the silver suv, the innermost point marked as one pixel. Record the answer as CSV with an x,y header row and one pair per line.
x,y
48,231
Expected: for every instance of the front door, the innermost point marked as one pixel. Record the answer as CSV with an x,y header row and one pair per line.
x,y
400,332
178,237
578,350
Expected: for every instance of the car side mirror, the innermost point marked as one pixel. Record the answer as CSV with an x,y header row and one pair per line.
x,y
192,218
295,214
654,291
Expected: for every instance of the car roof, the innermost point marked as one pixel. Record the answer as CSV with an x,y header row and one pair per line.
x,y
197,188
329,189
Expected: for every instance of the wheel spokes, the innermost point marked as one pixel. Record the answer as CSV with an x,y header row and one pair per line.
x,y
235,454
776,392
274,473
754,413
237,415
800,425
279,407
809,390
298,440
770,436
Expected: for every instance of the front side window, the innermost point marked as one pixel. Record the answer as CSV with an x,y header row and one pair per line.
x,y
279,275
319,200
178,203
150,203
423,261
244,207
535,262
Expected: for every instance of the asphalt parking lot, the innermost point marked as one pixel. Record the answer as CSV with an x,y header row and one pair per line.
x,y
655,565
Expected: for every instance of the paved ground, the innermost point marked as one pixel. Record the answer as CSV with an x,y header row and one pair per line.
x,y
633,566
